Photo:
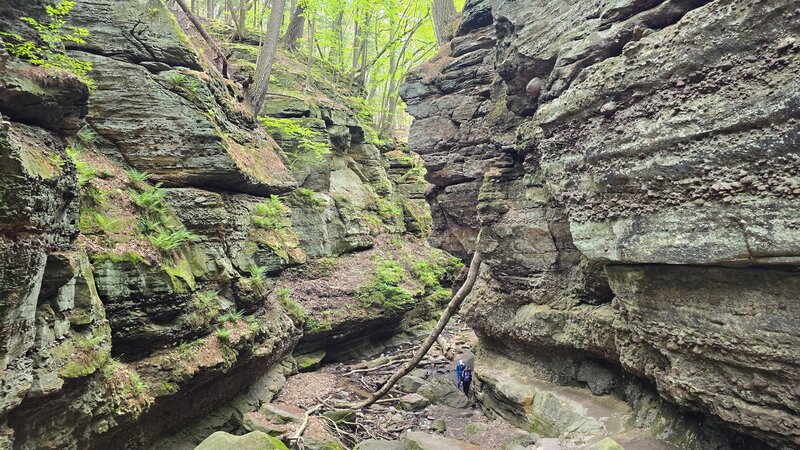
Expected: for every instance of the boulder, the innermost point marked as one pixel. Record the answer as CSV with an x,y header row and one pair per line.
x,y
605,444
417,440
281,413
441,391
410,384
255,440
413,402
379,444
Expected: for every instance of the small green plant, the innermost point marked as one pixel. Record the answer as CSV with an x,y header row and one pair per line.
x,y
307,151
206,305
106,225
252,323
137,176
292,306
231,316
388,210
85,170
52,34
384,289
315,326
310,198
150,199
185,81
223,334
257,274
168,240
87,136
271,214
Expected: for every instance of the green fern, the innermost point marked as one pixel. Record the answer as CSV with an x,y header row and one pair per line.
x,y
257,273
168,240
137,176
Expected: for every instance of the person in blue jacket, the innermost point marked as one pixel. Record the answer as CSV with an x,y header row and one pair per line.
x,y
466,380
459,371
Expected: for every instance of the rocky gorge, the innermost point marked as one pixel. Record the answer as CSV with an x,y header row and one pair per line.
x,y
628,170
164,256
633,167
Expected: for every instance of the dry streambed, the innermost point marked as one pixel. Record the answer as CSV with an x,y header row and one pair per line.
x,y
424,407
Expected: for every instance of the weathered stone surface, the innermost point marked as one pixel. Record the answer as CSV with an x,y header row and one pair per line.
x,y
417,440
168,131
255,440
32,95
413,402
441,391
410,384
634,168
379,444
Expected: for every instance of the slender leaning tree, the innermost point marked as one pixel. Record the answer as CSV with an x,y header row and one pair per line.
x,y
267,57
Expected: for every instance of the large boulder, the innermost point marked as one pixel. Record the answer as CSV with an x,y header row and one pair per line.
x,y
441,391
255,440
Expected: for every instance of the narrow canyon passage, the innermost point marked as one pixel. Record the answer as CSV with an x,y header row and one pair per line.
x,y
225,224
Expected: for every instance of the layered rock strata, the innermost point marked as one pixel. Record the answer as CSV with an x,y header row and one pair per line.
x,y
144,227
634,168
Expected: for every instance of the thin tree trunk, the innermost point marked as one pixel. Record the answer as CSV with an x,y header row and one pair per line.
x,y
443,13
295,29
452,308
312,22
356,46
210,9
196,22
338,48
267,56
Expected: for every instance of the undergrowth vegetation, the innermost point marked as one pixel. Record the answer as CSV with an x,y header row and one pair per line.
x,y
308,151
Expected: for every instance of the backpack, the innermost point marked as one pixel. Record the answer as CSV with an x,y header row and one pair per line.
x,y
467,376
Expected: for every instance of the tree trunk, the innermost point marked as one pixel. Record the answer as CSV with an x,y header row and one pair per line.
x,y
311,25
196,22
267,56
210,9
295,29
444,11
194,5
452,308
356,46
362,74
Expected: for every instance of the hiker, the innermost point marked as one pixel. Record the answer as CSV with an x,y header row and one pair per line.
x,y
459,371
466,380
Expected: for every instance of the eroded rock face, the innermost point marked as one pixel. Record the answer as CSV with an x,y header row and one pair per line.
x,y
140,255
634,167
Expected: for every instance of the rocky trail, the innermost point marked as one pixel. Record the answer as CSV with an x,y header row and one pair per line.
x,y
425,401
426,410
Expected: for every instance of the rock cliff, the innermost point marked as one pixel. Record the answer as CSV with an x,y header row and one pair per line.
x,y
162,254
634,167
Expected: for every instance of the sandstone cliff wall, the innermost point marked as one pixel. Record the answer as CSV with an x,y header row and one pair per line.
x,y
147,231
634,166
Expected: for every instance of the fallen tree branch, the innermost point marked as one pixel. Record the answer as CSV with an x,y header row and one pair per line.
x,y
298,435
382,366
452,307
196,22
